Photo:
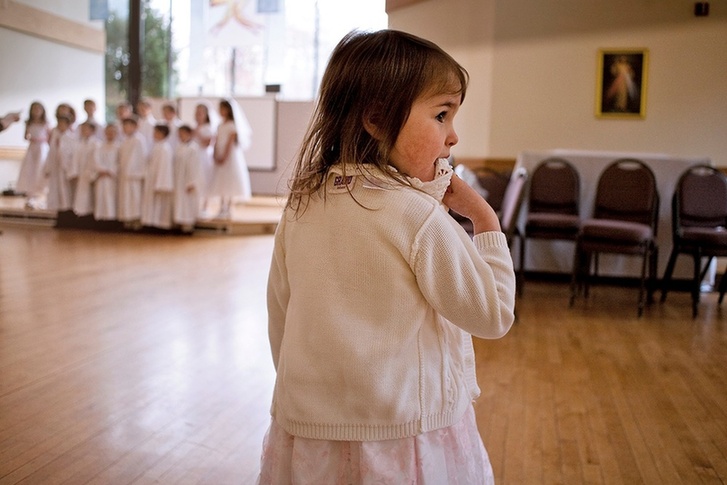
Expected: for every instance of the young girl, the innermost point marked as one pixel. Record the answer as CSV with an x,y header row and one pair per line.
x,y
146,121
156,203
188,179
31,180
374,290
58,166
204,135
107,165
132,166
171,119
84,167
230,177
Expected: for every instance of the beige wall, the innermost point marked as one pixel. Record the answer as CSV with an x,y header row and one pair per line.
x,y
533,66
465,29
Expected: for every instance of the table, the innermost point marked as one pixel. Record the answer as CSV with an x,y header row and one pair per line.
x,y
557,256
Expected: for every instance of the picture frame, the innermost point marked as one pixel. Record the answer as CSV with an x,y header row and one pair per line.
x,y
621,82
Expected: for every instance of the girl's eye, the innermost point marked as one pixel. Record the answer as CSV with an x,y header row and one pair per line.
x,y
440,117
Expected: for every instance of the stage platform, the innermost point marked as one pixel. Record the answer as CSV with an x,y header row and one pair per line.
x,y
260,215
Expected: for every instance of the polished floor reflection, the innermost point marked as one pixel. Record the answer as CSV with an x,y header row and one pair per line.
x,y
128,358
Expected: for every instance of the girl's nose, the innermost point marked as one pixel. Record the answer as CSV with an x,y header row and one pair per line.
x,y
452,138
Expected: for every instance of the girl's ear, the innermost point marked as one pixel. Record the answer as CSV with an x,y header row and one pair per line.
x,y
371,126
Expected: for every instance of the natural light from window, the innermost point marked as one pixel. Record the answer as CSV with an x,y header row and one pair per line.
x,y
245,47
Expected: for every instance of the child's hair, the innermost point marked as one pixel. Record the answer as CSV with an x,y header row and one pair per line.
x,y
129,121
89,125
70,112
185,128
169,107
228,109
64,119
89,102
374,77
42,118
206,110
163,129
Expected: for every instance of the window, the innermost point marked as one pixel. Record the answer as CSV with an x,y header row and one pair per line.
x,y
233,47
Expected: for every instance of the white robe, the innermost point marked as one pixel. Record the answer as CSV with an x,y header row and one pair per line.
x,y
31,180
146,128
205,131
58,168
105,185
84,165
156,206
189,181
132,166
230,178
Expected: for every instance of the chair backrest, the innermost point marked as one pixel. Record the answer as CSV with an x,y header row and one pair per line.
x,y
555,187
627,192
700,198
495,183
512,201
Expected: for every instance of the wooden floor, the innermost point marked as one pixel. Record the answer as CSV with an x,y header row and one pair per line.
x,y
140,359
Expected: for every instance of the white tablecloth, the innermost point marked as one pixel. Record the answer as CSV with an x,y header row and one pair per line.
x,y
557,256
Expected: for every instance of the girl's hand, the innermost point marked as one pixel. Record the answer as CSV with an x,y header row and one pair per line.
x,y
465,200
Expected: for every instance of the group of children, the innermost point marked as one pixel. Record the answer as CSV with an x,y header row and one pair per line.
x,y
136,170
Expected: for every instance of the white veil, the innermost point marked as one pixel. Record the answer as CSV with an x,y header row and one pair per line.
x,y
244,139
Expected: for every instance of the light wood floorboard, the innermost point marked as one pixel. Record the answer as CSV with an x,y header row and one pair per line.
x,y
139,359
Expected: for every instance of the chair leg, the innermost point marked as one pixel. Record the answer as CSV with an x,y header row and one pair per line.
x,y
722,288
695,284
666,280
653,264
587,259
642,289
575,277
521,270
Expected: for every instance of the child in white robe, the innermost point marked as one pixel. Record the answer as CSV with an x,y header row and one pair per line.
x,y
84,165
230,176
189,179
31,180
107,164
171,119
156,206
58,166
146,121
132,166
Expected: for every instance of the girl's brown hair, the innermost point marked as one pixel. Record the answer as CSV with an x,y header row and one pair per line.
x,y
42,118
372,77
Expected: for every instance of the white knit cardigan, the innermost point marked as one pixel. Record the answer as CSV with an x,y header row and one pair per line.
x,y
373,295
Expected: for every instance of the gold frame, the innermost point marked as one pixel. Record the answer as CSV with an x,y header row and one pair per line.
x,y
621,81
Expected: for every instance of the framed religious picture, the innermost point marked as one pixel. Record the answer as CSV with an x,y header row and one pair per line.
x,y
621,83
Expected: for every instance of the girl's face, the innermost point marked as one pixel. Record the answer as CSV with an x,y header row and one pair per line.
x,y
427,135
200,114
110,133
224,112
36,111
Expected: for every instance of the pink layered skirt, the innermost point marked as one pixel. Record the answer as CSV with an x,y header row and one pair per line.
x,y
453,455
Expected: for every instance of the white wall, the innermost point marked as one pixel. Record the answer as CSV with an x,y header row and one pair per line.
x,y
542,75
50,72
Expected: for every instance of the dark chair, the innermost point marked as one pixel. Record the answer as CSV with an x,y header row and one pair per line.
x,y
699,219
553,206
495,183
624,222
